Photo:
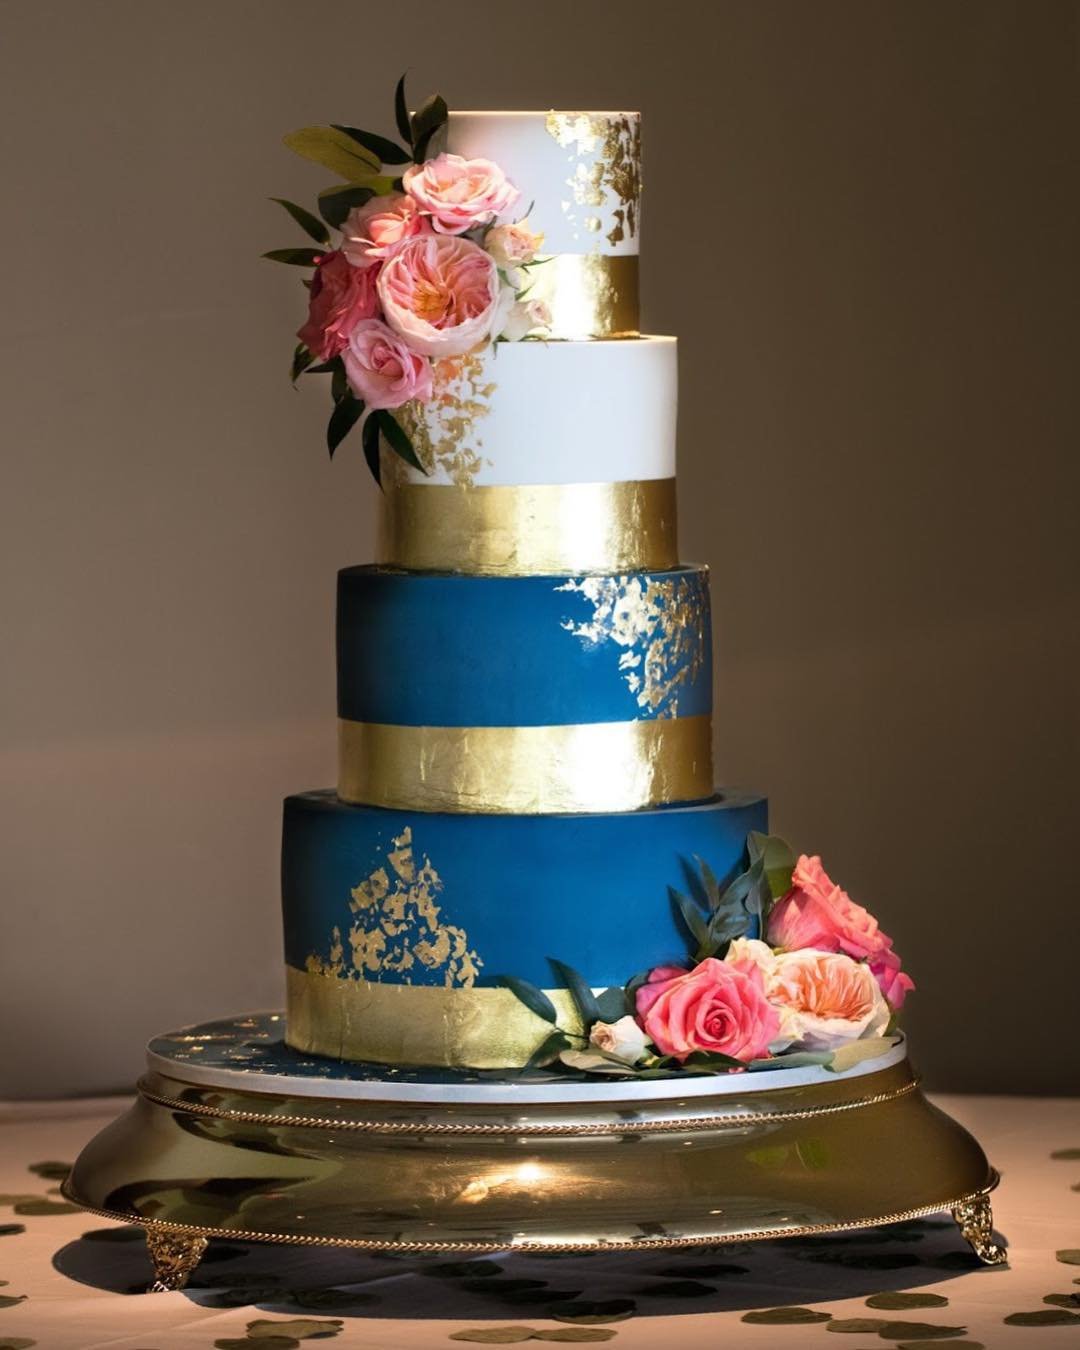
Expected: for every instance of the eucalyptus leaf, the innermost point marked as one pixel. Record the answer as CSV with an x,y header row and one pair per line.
x,y
342,420
301,361
712,1059
335,203
580,992
695,921
295,257
334,150
796,1059
783,1317
427,120
389,152
310,224
847,1056
398,439
401,112
369,440
547,1050
534,999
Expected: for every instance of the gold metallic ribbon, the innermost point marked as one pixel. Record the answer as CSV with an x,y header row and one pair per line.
x,y
590,295
534,529
549,770
416,1024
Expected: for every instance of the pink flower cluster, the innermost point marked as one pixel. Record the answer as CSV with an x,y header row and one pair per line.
x,y
417,277
825,976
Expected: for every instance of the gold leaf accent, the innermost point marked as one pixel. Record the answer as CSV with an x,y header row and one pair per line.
x,y
604,151
446,432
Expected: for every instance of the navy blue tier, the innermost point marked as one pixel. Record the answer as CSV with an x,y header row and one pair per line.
x,y
531,694
419,649
397,922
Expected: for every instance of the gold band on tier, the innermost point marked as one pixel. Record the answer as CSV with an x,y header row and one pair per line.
x,y
590,295
416,1024
533,529
551,770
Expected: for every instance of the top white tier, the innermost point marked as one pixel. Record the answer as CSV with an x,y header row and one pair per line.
x,y
581,171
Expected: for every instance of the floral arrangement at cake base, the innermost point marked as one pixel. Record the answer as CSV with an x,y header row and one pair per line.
x,y
431,262
787,971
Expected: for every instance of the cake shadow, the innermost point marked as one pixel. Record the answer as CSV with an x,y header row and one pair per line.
x,y
337,1282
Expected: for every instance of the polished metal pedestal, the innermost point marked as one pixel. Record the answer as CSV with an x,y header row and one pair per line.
x,y
235,1135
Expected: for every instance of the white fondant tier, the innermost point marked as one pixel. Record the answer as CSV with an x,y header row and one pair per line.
x,y
538,412
581,171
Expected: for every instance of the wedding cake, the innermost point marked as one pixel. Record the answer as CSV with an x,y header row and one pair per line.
x,y
525,861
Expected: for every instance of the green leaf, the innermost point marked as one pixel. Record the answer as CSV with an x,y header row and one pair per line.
x,y
335,203
779,860
430,116
389,152
712,1059
796,1059
310,224
401,112
696,923
296,257
339,384
580,992
398,439
612,1004
301,361
342,420
335,151
370,443
547,1050
534,999
709,881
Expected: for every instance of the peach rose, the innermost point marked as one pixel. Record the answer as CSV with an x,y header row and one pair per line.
x,y
524,317
440,294
714,1007
373,231
623,1039
459,193
382,369
826,999
817,913
340,297
513,245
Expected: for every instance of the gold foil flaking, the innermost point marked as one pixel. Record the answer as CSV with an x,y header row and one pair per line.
x,y
659,625
545,770
590,295
447,431
399,926
535,529
604,157
417,1024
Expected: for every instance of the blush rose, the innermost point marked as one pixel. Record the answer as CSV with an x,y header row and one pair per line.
x,y
440,294
382,369
459,193
373,231
825,999
714,1007
340,297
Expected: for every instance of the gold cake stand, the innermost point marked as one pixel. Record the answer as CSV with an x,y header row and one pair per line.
x,y
234,1135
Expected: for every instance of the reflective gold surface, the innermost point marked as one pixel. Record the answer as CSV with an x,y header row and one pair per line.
x,y
844,1154
594,766
535,529
590,295
328,1014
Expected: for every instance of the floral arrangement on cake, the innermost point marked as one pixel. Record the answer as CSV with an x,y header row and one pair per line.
x,y
787,970
427,266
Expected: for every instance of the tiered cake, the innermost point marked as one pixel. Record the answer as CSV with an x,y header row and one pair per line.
x,y
525,678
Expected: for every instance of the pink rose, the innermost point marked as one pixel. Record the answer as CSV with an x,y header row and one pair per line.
x,y
459,193
373,231
825,999
714,1007
895,984
340,297
440,294
817,913
382,369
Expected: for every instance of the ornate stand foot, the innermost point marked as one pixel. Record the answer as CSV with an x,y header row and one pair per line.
x,y
175,1256
976,1221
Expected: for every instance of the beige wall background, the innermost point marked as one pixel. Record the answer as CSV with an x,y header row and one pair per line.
x,y
863,222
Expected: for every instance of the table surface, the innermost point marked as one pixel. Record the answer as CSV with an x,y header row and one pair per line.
x,y
71,1281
